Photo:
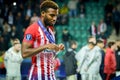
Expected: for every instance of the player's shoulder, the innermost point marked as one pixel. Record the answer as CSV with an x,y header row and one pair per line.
x,y
10,49
85,47
97,48
32,27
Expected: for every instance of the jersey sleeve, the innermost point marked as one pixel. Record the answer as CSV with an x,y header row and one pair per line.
x,y
29,35
6,57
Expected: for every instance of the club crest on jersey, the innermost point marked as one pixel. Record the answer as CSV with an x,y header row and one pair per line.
x,y
28,37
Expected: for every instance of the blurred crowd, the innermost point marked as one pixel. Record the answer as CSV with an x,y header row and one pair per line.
x,y
15,17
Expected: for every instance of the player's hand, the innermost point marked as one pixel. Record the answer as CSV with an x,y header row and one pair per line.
x,y
52,47
61,46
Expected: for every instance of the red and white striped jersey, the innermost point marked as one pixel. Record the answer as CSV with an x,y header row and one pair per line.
x,y
42,63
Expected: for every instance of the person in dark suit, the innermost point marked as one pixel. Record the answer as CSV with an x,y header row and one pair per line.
x,y
70,62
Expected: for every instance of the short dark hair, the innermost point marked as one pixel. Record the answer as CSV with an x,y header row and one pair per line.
x,y
90,38
111,43
100,41
48,4
16,41
91,42
73,42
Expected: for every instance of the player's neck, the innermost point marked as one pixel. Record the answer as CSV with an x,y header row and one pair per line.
x,y
42,20
16,51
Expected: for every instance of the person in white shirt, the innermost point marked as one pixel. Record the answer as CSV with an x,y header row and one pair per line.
x,y
88,58
13,60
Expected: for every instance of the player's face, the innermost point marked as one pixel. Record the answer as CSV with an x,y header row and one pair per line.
x,y
92,40
118,43
114,46
17,47
102,45
50,17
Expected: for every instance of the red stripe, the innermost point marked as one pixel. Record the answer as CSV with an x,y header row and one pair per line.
x,y
34,60
45,39
42,62
48,66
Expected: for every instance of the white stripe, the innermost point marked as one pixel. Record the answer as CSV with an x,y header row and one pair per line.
x,y
54,76
41,36
35,44
38,67
31,71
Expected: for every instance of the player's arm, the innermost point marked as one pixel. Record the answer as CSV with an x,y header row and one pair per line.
x,y
28,51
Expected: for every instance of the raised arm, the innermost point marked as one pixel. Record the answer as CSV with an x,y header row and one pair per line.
x,y
28,51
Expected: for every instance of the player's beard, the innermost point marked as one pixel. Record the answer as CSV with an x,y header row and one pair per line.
x,y
48,22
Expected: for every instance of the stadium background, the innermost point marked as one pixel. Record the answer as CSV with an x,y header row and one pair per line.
x,y
77,26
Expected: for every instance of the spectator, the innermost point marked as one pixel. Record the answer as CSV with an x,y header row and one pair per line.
x,y
102,31
34,18
12,61
6,11
118,6
81,11
89,60
66,37
21,9
117,55
93,29
6,26
29,11
64,9
108,8
116,20
99,47
13,33
102,27
72,5
19,25
10,18
70,62
26,21
37,8
63,16
110,61
6,36
108,21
